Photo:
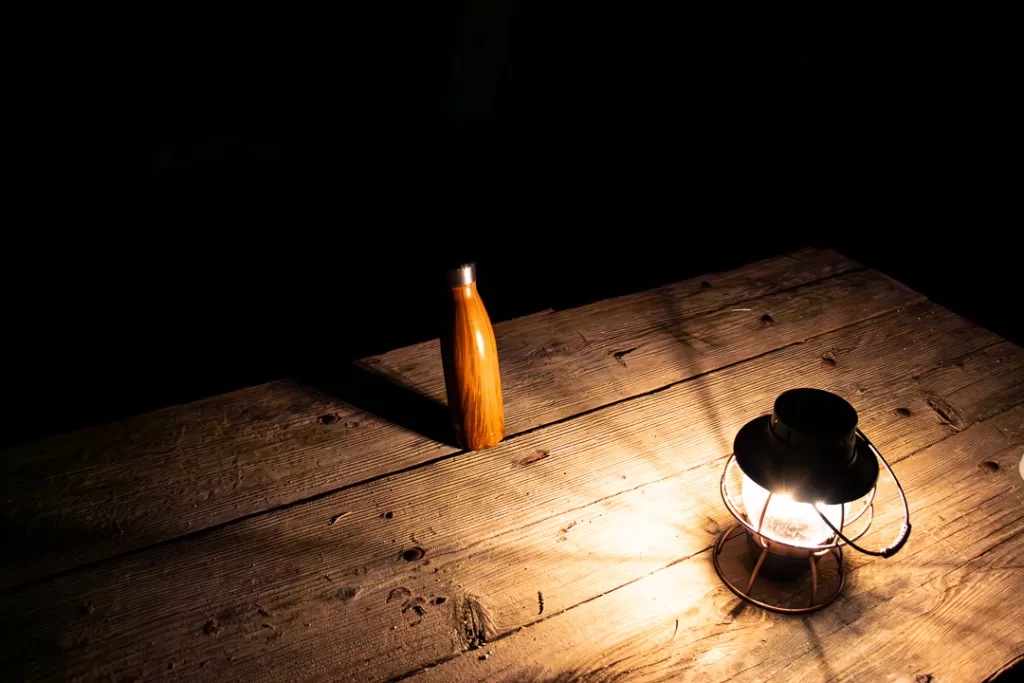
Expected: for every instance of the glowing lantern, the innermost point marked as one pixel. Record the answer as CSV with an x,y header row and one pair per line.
x,y
806,479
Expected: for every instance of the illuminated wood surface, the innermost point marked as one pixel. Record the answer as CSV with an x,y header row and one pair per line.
x,y
176,471
580,549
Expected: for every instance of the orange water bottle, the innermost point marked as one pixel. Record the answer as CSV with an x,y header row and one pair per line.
x,y
470,356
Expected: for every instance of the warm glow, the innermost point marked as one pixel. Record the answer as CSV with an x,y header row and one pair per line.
x,y
786,520
641,534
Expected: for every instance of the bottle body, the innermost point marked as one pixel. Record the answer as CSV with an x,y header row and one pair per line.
x,y
472,380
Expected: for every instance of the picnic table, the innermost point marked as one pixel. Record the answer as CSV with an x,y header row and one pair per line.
x,y
325,529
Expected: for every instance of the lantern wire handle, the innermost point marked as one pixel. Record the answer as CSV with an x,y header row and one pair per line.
x,y
891,550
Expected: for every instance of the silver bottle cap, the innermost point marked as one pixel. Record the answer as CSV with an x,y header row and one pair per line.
x,y
463,275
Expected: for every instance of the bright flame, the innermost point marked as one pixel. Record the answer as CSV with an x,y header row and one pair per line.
x,y
786,520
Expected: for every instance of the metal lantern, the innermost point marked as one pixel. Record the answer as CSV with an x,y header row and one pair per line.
x,y
801,484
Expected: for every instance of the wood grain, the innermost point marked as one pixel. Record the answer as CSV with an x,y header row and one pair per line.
x,y
81,497
472,379
482,535
586,357
916,615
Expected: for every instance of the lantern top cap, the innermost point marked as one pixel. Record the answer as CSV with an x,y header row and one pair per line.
x,y
808,448
815,412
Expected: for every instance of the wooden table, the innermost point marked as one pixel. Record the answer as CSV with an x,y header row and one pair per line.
x,y
282,532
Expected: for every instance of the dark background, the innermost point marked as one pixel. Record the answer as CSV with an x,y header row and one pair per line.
x,y
265,85
298,177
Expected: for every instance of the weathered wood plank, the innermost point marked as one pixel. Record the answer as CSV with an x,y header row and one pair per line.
x,y
947,607
578,347
957,393
489,528
81,497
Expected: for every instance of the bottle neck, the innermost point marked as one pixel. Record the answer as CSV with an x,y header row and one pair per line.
x,y
464,291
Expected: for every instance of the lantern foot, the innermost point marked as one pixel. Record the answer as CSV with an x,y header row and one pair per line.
x,y
817,601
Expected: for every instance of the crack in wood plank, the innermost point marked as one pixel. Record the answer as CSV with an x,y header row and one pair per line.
x,y
525,460
473,624
946,412
620,356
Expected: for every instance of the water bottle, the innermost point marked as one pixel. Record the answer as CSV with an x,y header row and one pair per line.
x,y
470,356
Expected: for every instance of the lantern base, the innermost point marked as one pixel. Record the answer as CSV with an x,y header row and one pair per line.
x,y
782,561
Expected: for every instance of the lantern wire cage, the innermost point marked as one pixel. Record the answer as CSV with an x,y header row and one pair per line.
x,y
752,523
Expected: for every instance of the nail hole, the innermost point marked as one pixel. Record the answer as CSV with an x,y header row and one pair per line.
x,y
902,412
439,601
389,515
413,554
990,466
828,362
767,320
328,419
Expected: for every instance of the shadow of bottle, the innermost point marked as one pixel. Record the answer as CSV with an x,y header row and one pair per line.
x,y
384,397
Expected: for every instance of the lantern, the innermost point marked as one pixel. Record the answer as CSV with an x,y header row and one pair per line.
x,y
801,484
